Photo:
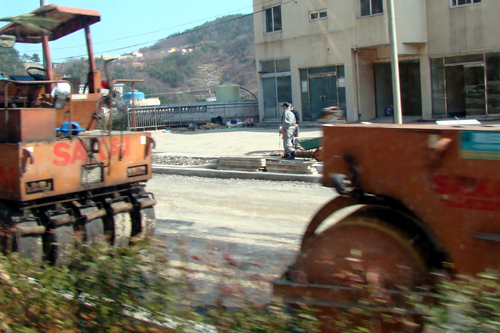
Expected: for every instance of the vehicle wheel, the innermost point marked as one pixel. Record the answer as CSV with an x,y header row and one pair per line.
x,y
318,155
23,235
143,213
122,223
94,225
6,229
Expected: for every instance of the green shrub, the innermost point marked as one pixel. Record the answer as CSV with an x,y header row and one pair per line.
x,y
135,289
453,303
463,303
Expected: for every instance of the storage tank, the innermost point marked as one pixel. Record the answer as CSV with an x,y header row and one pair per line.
x,y
228,92
137,95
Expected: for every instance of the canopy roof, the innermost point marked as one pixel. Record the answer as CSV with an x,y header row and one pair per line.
x,y
70,20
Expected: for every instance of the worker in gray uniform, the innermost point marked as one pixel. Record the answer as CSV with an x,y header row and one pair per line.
x,y
296,132
287,128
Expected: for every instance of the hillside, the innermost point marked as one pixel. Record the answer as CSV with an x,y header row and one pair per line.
x,y
217,51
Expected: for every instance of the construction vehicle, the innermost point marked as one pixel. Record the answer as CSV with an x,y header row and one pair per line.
x,y
413,200
61,174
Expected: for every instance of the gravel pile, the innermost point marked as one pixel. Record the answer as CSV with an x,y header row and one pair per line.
x,y
182,160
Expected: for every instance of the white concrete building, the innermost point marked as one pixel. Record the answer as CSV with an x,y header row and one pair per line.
x,y
319,53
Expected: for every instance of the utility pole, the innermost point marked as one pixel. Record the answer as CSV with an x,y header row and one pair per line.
x,y
396,90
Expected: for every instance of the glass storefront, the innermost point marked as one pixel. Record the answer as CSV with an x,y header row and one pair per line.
x,y
466,86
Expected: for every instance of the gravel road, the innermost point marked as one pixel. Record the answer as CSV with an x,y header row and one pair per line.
x,y
254,226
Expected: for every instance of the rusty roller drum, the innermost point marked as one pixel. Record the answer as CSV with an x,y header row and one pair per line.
x,y
357,252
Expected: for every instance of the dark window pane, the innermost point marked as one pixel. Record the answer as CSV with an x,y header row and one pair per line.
x,y
323,70
462,2
314,16
277,18
268,66
282,65
493,82
304,89
284,84
269,92
269,20
364,7
377,7
340,71
323,14
461,59
438,87
342,99
477,1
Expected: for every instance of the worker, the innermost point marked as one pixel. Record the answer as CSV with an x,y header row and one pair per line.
x,y
296,132
287,129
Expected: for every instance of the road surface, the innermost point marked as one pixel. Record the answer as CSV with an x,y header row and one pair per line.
x,y
233,232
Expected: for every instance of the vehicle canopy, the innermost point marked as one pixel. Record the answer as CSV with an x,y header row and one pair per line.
x,y
69,19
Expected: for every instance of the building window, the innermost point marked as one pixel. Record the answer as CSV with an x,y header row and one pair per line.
x,y
456,3
371,7
273,19
318,15
276,79
466,85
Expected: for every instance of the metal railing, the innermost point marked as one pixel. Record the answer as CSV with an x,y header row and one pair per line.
x,y
177,115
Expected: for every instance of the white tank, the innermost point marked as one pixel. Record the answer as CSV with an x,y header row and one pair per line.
x,y
228,92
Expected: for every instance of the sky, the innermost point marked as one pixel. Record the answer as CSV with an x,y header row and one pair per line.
x,y
126,23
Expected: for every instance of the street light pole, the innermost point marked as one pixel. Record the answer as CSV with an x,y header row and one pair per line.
x,y
396,90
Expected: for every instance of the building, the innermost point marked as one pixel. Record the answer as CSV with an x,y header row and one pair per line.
x,y
320,53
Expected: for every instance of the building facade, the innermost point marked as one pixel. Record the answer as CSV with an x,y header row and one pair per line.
x,y
319,53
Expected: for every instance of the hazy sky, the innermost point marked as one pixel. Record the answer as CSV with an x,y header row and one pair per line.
x,y
127,23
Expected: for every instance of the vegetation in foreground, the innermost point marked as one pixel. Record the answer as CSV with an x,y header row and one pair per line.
x,y
127,290
138,289
452,303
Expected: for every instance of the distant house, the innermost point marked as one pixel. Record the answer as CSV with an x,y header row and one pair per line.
x,y
137,54
138,64
318,54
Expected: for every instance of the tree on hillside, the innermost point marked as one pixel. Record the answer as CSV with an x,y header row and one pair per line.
x,y
35,58
74,68
9,62
25,58
173,69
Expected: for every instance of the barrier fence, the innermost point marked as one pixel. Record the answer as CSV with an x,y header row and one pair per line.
x,y
177,115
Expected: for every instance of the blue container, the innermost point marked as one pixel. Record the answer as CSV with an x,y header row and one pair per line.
x,y
137,95
389,111
65,128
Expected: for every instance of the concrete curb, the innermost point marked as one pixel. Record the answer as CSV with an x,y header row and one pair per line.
x,y
215,173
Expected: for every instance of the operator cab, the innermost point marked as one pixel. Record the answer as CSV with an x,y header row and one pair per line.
x,y
40,87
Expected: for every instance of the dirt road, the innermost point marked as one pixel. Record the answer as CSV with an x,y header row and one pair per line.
x,y
253,225
252,142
